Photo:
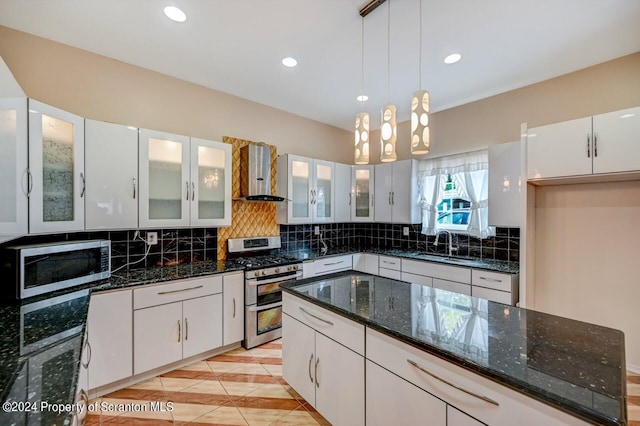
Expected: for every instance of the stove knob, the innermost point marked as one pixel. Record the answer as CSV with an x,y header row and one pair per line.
x,y
264,272
277,270
288,268
255,274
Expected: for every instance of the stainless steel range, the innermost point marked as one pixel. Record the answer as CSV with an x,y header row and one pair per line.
x,y
264,272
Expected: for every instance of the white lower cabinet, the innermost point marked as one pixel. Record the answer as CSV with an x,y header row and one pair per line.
x,y
109,336
453,286
176,320
456,417
233,308
366,262
329,265
325,373
394,401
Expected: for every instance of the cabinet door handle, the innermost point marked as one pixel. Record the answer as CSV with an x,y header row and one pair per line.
x,y
187,185
588,146
234,307
484,398
389,197
86,364
595,144
349,198
371,200
84,184
316,373
181,290
393,198
179,331
134,188
193,191
310,362
186,329
493,280
315,316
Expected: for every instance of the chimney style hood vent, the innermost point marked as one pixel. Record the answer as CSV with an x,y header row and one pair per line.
x,y
255,174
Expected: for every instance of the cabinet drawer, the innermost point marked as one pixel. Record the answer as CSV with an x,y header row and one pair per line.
x,y
332,264
389,273
452,286
492,280
176,291
389,262
417,279
336,327
493,295
395,356
437,270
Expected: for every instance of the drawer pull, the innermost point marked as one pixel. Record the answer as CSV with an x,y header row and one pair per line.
x,y
493,280
315,316
484,398
310,362
333,263
389,263
181,290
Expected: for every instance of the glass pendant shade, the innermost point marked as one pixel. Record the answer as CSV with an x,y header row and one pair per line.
x,y
388,134
361,153
420,122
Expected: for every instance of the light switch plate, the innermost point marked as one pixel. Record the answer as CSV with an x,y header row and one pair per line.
x,y
405,231
316,230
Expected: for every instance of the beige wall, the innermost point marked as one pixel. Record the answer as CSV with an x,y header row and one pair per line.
x,y
586,256
100,88
602,88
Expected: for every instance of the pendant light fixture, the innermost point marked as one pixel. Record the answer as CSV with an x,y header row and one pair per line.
x,y
420,110
361,153
388,130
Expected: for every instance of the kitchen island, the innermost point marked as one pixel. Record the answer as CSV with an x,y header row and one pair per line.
x,y
367,349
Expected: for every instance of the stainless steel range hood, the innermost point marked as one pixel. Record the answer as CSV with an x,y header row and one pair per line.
x,y
255,174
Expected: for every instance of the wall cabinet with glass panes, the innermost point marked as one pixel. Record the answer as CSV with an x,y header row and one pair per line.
x,y
56,169
309,188
362,180
183,181
13,166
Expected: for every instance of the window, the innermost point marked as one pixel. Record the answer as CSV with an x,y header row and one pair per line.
x,y
454,208
453,194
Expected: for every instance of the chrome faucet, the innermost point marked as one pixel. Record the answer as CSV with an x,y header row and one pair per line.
x,y
451,247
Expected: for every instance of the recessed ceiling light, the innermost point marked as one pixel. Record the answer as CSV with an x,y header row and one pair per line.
x,y
175,14
289,62
453,58
362,98
627,115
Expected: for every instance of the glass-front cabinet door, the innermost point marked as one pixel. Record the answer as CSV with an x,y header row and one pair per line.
x,y
165,185
323,191
210,183
294,183
13,166
56,163
362,183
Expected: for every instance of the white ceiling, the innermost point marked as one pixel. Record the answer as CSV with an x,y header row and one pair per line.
x,y
236,46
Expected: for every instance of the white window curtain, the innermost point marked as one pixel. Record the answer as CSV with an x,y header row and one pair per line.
x,y
472,168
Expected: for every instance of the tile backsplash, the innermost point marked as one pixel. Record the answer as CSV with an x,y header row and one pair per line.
x,y
504,246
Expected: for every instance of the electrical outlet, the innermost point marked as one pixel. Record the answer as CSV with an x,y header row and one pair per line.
x,y
405,231
316,230
152,238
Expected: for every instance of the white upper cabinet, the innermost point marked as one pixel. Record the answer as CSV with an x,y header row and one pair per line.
x,y
56,163
111,160
396,192
344,197
362,183
183,182
605,143
308,185
165,185
504,184
210,183
616,141
13,166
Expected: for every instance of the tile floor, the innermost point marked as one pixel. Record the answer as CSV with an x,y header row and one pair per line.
x,y
237,388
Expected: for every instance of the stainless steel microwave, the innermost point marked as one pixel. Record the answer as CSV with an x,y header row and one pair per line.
x,y
43,268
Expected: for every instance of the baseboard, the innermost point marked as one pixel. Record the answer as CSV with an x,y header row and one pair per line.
x,y
633,368
129,381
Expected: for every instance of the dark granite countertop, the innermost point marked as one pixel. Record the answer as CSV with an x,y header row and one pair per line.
x,y
469,262
574,366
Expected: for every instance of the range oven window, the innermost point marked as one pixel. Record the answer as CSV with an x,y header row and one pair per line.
x,y
269,319
43,269
269,293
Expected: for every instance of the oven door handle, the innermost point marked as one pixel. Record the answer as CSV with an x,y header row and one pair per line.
x,y
256,283
265,307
